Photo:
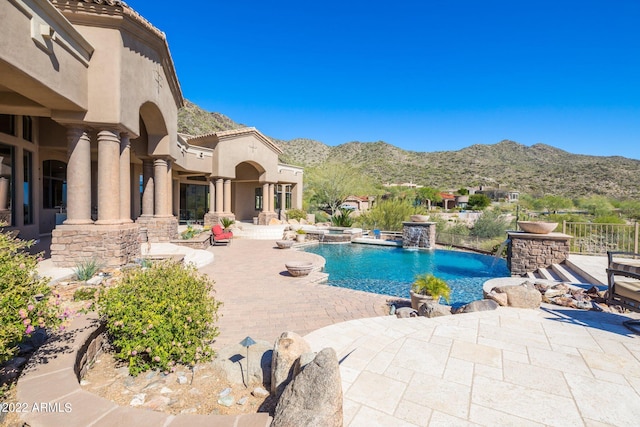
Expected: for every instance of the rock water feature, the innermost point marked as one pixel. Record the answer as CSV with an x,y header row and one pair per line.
x,y
419,235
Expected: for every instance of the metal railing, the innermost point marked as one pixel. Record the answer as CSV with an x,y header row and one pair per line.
x,y
597,239
479,244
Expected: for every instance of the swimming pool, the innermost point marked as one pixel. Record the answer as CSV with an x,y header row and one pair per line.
x,y
391,271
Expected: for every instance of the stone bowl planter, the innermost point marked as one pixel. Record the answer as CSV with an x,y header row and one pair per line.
x,y
299,268
537,227
284,244
419,218
418,299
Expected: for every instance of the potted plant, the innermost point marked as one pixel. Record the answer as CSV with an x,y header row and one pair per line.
x,y
226,223
300,235
428,287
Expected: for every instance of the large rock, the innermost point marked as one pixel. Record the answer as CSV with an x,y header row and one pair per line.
x,y
521,296
286,352
433,309
404,312
314,397
232,360
480,305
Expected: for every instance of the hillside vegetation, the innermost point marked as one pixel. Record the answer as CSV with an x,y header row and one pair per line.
x,y
537,170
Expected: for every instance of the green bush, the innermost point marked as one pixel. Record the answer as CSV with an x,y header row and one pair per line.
x,y
84,294
296,214
321,216
190,232
160,317
25,299
86,269
343,219
227,222
388,215
490,224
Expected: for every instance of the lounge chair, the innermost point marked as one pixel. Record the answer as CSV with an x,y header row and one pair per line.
x,y
623,272
218,235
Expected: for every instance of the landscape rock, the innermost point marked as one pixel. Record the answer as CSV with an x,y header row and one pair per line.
x,y
501,299
286,351
480,305
405,312
314,397
232,360
259,392
157,403
524,295
138,399
433,309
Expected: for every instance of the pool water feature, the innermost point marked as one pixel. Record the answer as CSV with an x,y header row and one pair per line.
x,y
391,271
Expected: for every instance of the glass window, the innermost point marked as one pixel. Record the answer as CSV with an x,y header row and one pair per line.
x,y
8,124
194,202
258,199
27,187
6,184
27,128
54,184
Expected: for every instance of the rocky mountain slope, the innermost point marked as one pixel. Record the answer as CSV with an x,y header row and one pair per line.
x,y
537,170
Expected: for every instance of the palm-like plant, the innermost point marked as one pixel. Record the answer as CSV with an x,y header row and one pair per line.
x,y
428,284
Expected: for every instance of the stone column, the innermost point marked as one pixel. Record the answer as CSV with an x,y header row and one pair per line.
x,y
134,189
108,177
78,177
169,198
219,194
227,196
161,187
212,195
148,187
266,206
125,178
272,188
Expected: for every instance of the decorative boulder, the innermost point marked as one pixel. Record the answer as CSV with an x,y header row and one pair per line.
x,y
404,312
286,352
521,296
232,361
314,397
433,309
501,299
480,305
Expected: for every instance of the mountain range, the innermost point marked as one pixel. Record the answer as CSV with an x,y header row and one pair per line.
x,y
536,170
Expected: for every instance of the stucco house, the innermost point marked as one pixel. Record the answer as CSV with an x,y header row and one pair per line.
x,y
89,148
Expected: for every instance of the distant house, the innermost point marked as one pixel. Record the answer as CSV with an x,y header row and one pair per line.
x,y
499,194
448,200
358,204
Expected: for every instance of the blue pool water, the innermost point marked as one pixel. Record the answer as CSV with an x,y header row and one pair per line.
x,y
391,271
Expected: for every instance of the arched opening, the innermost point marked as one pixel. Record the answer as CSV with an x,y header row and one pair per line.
x,y
247,200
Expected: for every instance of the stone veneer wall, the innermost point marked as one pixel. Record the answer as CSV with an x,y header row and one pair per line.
x,y
159,229
110,245
527,252
419,234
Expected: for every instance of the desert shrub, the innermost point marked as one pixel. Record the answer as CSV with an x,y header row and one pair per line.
x,y
343,219
160,317
388,215
86,269
296,214
26,302
321,216
190,232
490,224
84,294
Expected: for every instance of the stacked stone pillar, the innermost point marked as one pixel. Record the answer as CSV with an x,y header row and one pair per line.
x,y
268,209
526,252
113,239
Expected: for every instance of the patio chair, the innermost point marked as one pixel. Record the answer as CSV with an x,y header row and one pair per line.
x,y
218,235
623,273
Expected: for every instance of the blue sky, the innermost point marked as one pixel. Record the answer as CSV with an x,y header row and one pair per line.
x,y
430,75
